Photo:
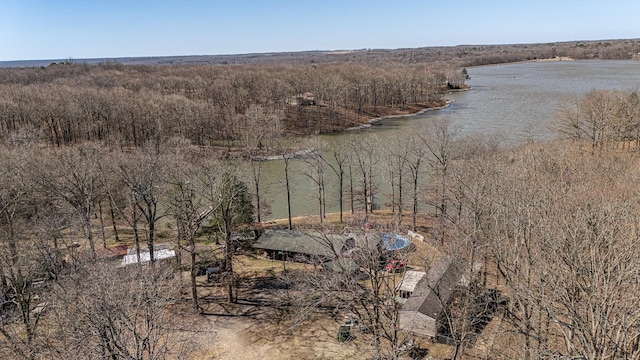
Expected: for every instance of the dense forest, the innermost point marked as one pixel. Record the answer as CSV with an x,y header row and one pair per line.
x,y
134,105
94,156
457,56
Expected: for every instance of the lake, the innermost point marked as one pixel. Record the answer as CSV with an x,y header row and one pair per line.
x,y
516,101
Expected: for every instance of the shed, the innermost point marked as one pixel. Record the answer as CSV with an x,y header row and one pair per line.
x,y
162,252
145,256
422,312
288,244
408,284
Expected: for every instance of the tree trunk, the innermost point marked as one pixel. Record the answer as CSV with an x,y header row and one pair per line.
x,y
400,198
136,235
320,202
113,220
351,189
341,196
104,237
324,201
371,190
365,197
258,210
182,234
456,351
286,177
87,221
194,288
415,202
150,241
230,249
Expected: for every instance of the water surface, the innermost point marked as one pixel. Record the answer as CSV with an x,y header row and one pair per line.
x,y
517,101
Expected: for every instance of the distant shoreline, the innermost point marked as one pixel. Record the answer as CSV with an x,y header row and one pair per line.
x,y
543,60
557,58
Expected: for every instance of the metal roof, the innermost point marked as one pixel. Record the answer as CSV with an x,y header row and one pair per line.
x,y
156,246
145,256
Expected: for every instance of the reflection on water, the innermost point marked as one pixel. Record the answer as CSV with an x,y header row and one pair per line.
x,y
516,101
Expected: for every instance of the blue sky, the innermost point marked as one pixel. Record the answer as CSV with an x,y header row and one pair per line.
x,y
62,29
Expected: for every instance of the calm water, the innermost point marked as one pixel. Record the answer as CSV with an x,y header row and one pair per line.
x,y
516,101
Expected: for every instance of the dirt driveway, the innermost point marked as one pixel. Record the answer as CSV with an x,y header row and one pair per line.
x,y
257,330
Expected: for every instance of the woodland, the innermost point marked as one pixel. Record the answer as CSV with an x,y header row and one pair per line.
x,y
98,155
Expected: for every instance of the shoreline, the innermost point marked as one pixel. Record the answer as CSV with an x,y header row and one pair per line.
x,y
555,59
302,153
294,155
381,118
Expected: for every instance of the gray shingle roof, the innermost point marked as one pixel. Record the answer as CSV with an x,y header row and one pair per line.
x,y
315,244
410,280
435,289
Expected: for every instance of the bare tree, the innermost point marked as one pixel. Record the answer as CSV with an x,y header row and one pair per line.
x,y
257,140
142,173
396,156
439,140
591,117
286,158
121,198
232,211
365,158
20,264
466,314
284,148
415,160
593,296
314,171
189,186
558,245
72,175
337,161
110,313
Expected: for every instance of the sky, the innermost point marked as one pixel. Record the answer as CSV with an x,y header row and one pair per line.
x,y
83,29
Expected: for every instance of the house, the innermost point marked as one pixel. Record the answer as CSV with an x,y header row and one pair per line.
x,y
423,310
300,246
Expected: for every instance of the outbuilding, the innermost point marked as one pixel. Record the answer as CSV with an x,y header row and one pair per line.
x,y
162,252
408,284
424,309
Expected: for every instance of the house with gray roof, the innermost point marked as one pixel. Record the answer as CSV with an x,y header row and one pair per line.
x,y
423,311
302,246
